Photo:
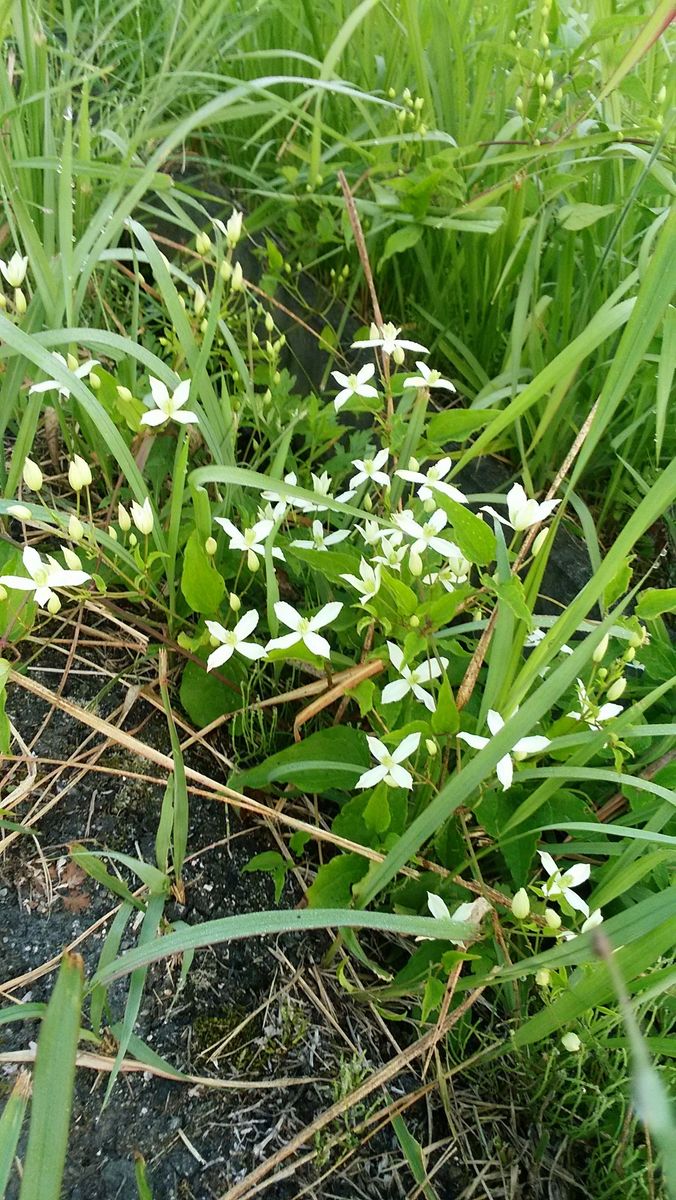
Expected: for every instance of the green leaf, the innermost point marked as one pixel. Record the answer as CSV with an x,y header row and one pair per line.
x,y
276,866
331,564
655,601
474,537
511,592
580,216
53,1081
10,1126
377,812
204,697
326,760
618,585
334,880
458,423
402,239
432,997
201,584
445,719
17,610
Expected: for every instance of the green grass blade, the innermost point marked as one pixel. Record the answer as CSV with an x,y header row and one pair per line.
x,y
10,1125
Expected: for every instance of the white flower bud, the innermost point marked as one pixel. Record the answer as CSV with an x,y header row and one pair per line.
x,y
75,529
19,302
124,393
518,104
94,381
520,904
133,540
53,604
72,362
225,270
544,41
19,511
431,747
235,602
398,355
552,918
543,977
199,301
571,1042
414,621
539,542
233,228
32,475
617,688
203,243
112,533
269,323
211,546
601,649
549,81
79,474
142,516
415,563
123,518
429,504
661,95
237,281
3,594
252,561
630,654
413,464
72,561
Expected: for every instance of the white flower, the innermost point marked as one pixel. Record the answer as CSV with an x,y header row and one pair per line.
x,y
44,577
142,516
472,911
425,536
53,385
593,714
412,678
387,339
389,769
234,639
249,541
371,469
428,379
432,481
594,919
571,1043
168,407
305,628
354,385
523,512
322,487
505,767
233,228
373,533
14,271
369,582
454,572
320,541
391,554
561,883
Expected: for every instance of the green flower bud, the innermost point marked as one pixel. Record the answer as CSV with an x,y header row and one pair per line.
x,y
19,302
521,904
431,747
203,243
19,511
414,621
211,546
601,649
235,602
124,393
617,688
552,918
94,381
53,604
32,475
75,529
543,977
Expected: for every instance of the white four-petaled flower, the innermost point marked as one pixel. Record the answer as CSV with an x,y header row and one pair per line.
x,y
389,769
392,554
355,385
428,378
320,540
505,768
234,639
432,481
593,714
370,469
168,405
561,884
523,512
386,338
44,577
425,536
304,629
453,572
368,582
54,385
249,541
411,679
14,271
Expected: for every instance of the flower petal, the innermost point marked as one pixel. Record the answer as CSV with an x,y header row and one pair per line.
x,y
576,901
548,862
288,615
326,615
251,650
505,772
406,747
181,394
394,691
531,745
317,644
438,907
577,874
473,740
371,777
159,391
283,642
246,625
219,656
154,416
401,777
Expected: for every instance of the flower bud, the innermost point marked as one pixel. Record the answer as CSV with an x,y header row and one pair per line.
x,y
199,300
133,540
617,688
53,604
75,529
431,747
142,516
429,504
233,228
415,563
124,393
276,378
237,281
79,474
661,95
520,904
235,602
19,511
558,95
601,649
14,271
540,80
518,104
213,640
414,621
94,381
571,1042
72,561
225,270
3,301
211,546
71,362
19,302
123,518
203,243
32,475
544,41
252,561
3,594
539,542
543,977
552,918
549,80
269,323
398,355
413,464
367,502
629,654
